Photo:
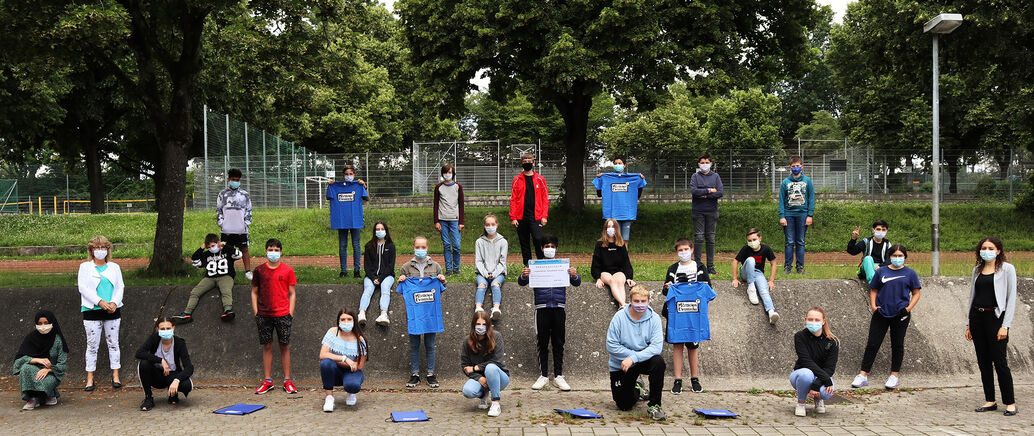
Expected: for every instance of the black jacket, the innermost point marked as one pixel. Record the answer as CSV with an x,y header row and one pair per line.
x,y
386,261
610,259
865,246
184,368
469,358
547,298
817,353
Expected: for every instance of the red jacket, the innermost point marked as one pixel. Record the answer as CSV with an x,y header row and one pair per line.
x,y
517,197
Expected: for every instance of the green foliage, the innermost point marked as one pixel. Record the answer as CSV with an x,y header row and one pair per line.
x,y
816,90
745,119
822,126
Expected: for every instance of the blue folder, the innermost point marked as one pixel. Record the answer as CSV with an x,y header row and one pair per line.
x,y
579,413
414,416
716,413
239,409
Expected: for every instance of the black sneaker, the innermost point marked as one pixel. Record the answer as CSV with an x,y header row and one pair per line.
x,y
711,271
182,318
413,381
800,270
432,381
677,387
695,382
228,316
644,394
788,270
342,274
355,273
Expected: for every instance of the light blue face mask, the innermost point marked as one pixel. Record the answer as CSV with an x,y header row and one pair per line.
x,y
988,255
273,256
166,334
897,261
813,326
345,326
619,167
235,184
420,254
380,234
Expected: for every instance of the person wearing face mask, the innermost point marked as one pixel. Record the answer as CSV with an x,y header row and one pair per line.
x,y
706,187
753,257
550,320
233,215
164,362
216,258
423,309
635,340
992,302
893,294
620,192
100,290
687,270
490,260
343,355
41,361
273,302
484,363
448,217
379,258
610,264
874,250
529,207
817,352
796,209
346,198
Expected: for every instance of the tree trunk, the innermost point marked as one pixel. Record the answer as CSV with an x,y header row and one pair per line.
x,y
575,111
94,177
169,192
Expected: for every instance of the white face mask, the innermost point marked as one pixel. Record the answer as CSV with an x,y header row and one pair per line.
x,y
214,249
44,329
549,252
447,176
490,230
349,178
685,256
705,167
879,235
100,254
610,231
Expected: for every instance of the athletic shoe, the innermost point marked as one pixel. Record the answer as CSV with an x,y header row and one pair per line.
x,y
695,384
656,413
860,381
820,406
51,401
355,273
31,404
478,309
328,404
266,386
351,399
788,270
495,409
228,316
540,383
773,317
644,394
383,320
342,274
362,318
182,318
800,270
483,402
712,272
677,387
249,275
892,382
560,383
413,381
289,387
799,411
432,381
496,314
752,293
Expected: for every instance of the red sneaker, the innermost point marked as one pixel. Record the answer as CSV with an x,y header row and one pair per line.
x,y
289,387
267,385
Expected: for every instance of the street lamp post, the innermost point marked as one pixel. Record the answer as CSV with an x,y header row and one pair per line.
x,y
942,24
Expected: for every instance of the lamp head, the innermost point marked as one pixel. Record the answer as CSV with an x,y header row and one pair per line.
x,y
943,24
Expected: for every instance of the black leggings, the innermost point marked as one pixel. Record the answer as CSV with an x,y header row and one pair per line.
x,y
550,327
898,325
529,233
152,376
622,384
991,355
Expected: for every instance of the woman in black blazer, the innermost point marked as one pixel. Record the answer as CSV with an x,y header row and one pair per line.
x,y
164,362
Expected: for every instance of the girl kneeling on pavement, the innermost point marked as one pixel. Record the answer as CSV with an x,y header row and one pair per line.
x,y
342,357
164,363
817,352
482,361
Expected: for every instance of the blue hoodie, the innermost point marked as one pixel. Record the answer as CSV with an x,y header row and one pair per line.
x,y
639,340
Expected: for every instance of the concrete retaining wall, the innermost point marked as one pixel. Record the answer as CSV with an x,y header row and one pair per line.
x,y
744,345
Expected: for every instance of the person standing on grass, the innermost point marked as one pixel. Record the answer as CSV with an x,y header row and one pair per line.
x,y
346,200
343,355
423,309
687,270
100,293
233,214
164,362
610,263
620,192
529,207
216,258
484,363
706,187
894,293
796,209
874,250
273,302
448,217
490,262
550,319
635,340
379,255
752,257
817,352
41,362
992,302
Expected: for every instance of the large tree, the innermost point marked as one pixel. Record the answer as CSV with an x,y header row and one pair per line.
x,y
802,96
566,53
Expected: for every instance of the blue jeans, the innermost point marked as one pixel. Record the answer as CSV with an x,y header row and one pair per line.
x,y
749,273
801,380
414,353
794,231
496,378
483,284
336,375
451,244
369,287
342,248
626,228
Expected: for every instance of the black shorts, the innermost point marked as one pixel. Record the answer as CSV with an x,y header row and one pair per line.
x,y
239,240
282,325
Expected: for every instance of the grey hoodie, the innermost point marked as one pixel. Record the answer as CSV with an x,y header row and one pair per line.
x,y
490,255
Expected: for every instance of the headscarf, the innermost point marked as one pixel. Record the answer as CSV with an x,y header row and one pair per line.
x,y
37,344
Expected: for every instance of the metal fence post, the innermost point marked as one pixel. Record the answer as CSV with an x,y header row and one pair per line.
x,y
1008,174
226,160
294,175
204,120
279,177
247,164
367,168
265,179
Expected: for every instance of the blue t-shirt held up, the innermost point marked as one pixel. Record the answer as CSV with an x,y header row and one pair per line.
x,y
894,289
423,304
346,204
687,312
620,194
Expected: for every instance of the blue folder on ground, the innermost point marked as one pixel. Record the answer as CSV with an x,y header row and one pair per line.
x,y
579,413
716,413
414,416
240,409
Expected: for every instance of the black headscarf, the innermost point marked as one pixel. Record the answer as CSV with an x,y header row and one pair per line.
x,y
37,344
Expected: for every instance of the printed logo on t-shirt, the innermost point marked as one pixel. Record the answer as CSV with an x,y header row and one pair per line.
x,y
795,193
346,196
886,279
619,187
687,306
423,297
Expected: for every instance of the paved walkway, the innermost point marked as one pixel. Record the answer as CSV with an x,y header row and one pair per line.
x,y
939,411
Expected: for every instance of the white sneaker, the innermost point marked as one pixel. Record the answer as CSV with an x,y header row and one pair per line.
x,y
328,404
799,411
362,318
383,320
249,275
31,404
51,401
773,317
483,402
892,382
496,314
478,309
752,293
495,410
860,381
540,383
820,406
350,400
560,383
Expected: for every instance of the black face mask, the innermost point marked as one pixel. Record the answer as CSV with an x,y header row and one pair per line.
x,y
527,166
